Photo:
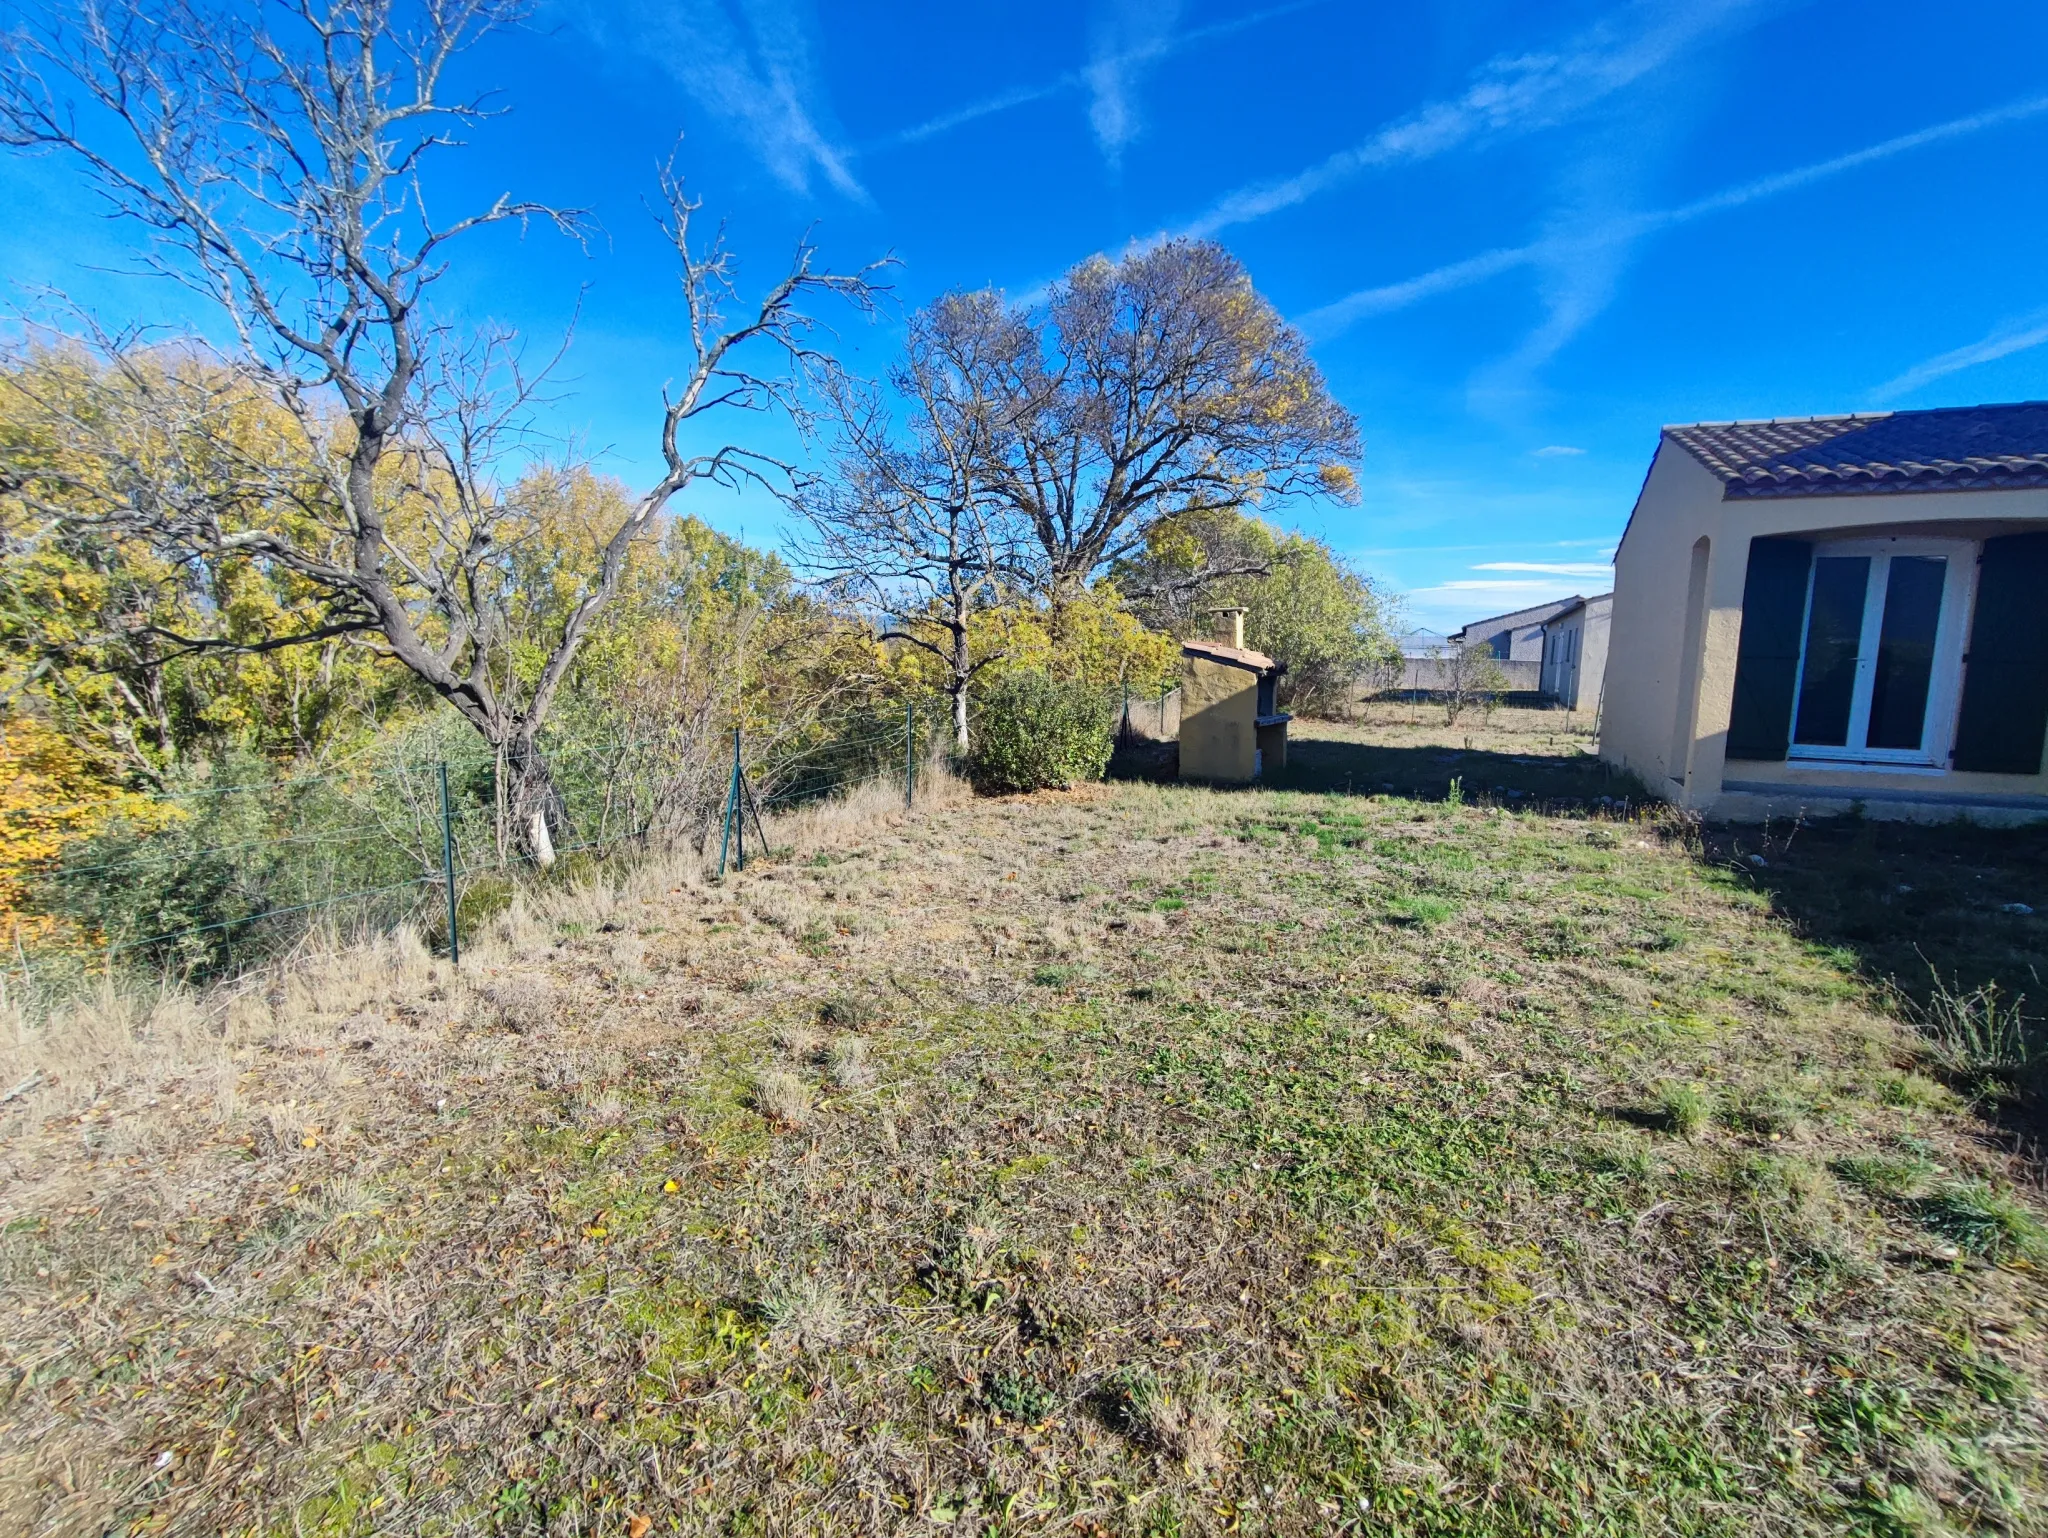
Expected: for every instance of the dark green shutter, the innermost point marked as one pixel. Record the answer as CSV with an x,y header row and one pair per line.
x,y
1767,661
2005,680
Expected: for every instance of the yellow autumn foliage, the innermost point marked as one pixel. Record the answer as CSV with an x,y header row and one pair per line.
x,y
50,794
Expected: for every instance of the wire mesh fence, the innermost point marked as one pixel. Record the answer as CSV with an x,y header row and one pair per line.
x,y
1151,715
212,878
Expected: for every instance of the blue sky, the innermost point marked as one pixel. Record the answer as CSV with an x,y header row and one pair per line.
x,y
1522,236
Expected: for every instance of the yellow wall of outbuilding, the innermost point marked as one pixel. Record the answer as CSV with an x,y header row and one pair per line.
x,y
1219,707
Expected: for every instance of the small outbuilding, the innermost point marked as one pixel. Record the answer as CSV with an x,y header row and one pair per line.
x,y
1231,726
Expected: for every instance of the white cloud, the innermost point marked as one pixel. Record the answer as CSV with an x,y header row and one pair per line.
x,y
1588,244
1510,94
1129,35
1557,451
1562,569
1483,585
745,62
1157,48
2008,338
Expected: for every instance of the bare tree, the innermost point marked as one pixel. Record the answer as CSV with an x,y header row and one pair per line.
x,y
913,529
274,154
1159,386
1471,675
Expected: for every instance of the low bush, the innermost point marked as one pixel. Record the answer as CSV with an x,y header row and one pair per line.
x,y
1036,732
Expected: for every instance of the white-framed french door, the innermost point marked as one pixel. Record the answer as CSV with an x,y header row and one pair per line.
x,y
1881,657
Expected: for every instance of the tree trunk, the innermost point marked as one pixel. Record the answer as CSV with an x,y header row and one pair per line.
x,y
538,814
962,672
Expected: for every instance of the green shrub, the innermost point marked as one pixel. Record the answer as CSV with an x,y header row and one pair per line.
x,y
1036,732
1018,1397
1980,1039
1910,1092
1769,1112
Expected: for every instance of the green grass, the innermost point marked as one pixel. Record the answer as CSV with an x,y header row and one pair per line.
x,y
1285,1162
1685,1109
1987,1222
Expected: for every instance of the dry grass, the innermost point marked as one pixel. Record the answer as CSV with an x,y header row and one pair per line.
x,y
1166,1175
848,1062
782,1097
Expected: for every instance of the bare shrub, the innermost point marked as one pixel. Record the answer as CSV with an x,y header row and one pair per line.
x,y
283,1129
849,1012
629,956
799,1041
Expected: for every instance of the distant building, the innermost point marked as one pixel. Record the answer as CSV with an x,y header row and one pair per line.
x,y
1575,652
1423,643
1514,637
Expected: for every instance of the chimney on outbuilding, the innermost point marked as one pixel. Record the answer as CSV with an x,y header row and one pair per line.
x,y
1235,634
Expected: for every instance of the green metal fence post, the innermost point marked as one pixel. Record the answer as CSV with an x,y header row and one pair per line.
x,y
732,797
448,868
909,754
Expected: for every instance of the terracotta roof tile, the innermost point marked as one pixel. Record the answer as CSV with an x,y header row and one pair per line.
x,y
1238,656
1954,449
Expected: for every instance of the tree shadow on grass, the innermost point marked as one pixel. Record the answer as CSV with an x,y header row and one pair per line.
x,y
1334,766
1426,773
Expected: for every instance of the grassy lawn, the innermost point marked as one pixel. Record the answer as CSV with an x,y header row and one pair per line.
x,y
1462,1157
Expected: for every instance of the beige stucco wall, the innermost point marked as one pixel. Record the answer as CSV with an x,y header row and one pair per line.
x,y
1599,626
1218,706
1576,686
1667,706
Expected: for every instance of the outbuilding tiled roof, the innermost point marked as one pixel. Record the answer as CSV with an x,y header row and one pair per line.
x,y
1961,448
1235,656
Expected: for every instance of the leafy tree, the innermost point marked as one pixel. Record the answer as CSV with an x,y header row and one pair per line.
x,y
139,658
51,796
1306,605
1094,637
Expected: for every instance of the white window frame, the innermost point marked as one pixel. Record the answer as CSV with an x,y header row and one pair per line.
x,y
1944,686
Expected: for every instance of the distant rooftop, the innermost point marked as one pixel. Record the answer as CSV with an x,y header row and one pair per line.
x,y
1515,619
1959,448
